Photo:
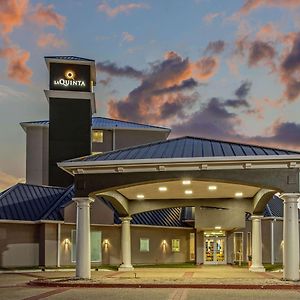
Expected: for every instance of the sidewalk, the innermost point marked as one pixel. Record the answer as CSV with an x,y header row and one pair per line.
x,y
225,277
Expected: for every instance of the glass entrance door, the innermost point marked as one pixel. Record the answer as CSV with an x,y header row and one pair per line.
x,y
214,250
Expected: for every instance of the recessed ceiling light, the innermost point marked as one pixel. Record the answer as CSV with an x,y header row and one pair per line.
x,y
218,227
188,192
212,187
140,196
238,194
186,182
162,188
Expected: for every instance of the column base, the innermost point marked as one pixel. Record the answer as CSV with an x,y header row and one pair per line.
x,y
257,269
125,268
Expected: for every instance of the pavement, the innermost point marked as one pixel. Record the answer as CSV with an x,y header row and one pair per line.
x,y
207,282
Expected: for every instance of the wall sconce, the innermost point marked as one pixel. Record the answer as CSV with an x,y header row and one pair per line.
x,y
164,245
105,244
66,244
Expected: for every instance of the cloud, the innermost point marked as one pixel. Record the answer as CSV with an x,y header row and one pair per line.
x,y
167,84
243,90
12,14
50,40
215,47
105,81
122,8
46,16
7,180
289,70
210,17
260,52
250,5
17,68
113,70
127,37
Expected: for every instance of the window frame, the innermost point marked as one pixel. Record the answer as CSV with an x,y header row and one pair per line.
x,y
148,245
175,249
102,136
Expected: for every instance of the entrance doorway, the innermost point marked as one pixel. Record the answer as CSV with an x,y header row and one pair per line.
x,y
214,248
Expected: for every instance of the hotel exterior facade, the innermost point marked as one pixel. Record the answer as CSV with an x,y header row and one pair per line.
x,y
108,192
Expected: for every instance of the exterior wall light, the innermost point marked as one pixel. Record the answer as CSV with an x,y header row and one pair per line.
x,y
105,244
162,188
212,187
186,182
188,192
238,194
66,243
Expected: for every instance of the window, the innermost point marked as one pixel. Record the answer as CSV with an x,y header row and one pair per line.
x,y
144,245
238,246
96,254
97,136
192,246
175,245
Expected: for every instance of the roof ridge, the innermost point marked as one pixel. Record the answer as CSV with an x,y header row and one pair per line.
x,y
48,211
122,149
41,185
105,118
8,190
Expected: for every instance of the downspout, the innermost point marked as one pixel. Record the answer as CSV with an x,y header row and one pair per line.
x,y
113,139
272,242
58,244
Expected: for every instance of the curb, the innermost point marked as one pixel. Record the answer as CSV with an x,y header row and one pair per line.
x,y
41,283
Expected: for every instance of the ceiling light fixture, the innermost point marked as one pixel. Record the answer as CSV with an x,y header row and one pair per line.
x,y
238,194
212,187
140,196
188,192
162,188
218,227
186,182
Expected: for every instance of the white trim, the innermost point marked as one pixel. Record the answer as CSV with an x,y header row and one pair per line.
x,y
272,243
58,244
177,164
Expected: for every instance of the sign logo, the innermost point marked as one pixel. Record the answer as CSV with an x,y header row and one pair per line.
x,y
69,80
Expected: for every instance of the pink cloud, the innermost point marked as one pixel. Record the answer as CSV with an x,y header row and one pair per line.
x,y
50,40
122,8
46,16
127,37
250,5
17,68
12,14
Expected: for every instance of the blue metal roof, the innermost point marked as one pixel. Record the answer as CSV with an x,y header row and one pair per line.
x,y
69,57
105,123
185,147
28,202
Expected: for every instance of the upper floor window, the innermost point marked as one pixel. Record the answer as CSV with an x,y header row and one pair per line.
x,y
97,136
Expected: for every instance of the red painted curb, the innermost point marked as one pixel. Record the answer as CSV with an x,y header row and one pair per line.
x,y
41,283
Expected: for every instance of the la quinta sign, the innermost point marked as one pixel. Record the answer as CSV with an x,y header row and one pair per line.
x,y
70,77
69,80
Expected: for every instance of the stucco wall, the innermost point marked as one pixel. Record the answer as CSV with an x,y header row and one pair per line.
x,y
19,245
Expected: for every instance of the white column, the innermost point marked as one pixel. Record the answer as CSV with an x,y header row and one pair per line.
x,y
58,244
290,237
257,265
83,243
126,245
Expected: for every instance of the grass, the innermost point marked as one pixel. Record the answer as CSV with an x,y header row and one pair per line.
x,y
172,265
274,267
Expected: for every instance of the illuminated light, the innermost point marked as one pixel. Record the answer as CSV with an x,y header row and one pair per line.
x,y
69,74
140,196
238,194
188,192
212,187
162,188
186,182
218,227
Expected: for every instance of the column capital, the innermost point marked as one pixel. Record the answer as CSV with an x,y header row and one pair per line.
x,y
290,197
125,219
256,217
83,201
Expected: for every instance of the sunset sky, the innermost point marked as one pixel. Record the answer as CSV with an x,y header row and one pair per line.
x,y
213,68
